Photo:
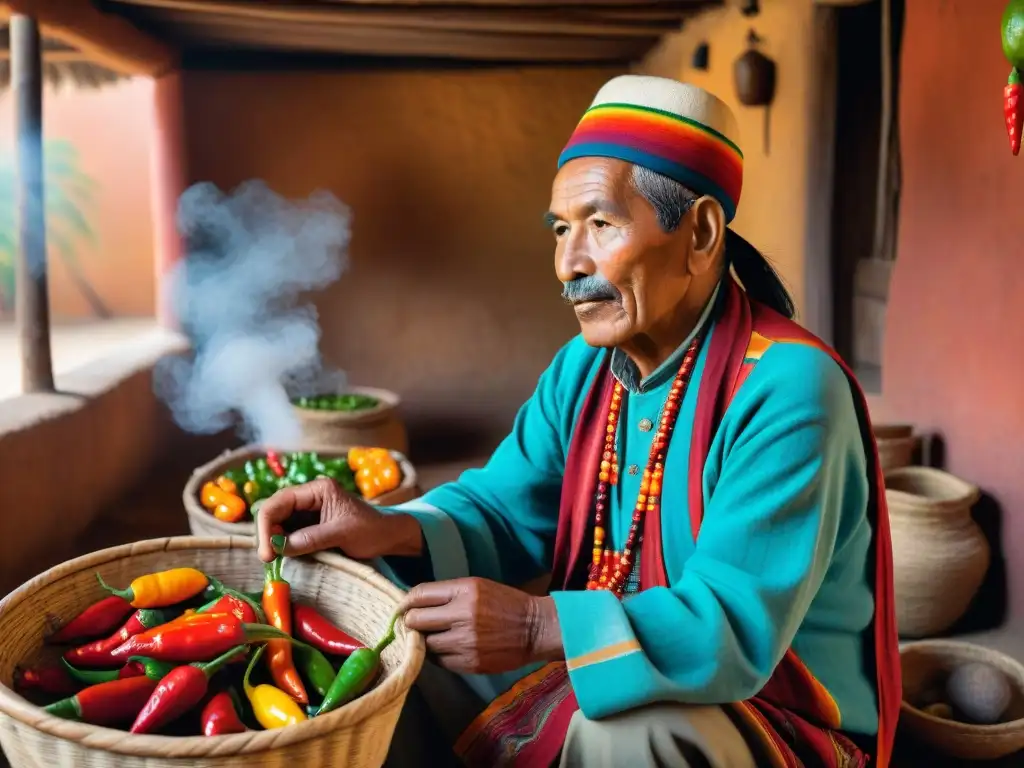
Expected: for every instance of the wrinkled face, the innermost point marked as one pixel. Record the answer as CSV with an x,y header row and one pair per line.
x,y
622,273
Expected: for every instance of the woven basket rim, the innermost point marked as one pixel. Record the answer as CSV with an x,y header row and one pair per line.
x,y
892,430
190,747
967,493
388,403
972,651
190,494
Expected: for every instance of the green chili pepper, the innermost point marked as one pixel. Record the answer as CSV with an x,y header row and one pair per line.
x,y
315,667
237,476
250,469
357,673
137,666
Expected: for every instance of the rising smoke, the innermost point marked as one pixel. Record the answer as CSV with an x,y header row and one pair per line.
x,y
240,296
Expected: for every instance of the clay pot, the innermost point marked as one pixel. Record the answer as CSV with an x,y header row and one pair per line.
x,y
940,555
896,445
379,427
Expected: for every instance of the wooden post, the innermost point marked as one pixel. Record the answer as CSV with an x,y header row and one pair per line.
x,y
167,181
31,299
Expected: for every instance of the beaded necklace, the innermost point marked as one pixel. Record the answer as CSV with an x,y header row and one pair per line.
x,y
620,564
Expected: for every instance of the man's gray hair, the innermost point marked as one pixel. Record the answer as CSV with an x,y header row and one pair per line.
x,y
670,199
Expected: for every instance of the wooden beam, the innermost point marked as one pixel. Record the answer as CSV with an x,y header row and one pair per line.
x,y
56,57
107,39
31,297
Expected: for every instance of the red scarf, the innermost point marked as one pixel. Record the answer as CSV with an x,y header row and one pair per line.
x,y
793,717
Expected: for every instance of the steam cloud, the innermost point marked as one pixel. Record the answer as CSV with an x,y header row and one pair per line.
x,y
239,297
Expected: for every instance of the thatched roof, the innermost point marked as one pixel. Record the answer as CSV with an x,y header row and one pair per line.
x,y
612,31
63,65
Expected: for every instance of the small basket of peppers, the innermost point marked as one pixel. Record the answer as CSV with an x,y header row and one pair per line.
x,y
190,648
353,416
220,495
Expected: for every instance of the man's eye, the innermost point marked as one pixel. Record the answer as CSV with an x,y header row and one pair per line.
x,y
600,223
560,229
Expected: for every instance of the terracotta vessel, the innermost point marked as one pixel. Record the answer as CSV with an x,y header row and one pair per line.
x,y
896,445
378,427
940,555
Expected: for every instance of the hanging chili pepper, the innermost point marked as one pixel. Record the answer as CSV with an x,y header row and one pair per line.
x,y
316,668
1013,109
313,628
98,620
159,590
220,715
272,707
98,652
136,667
277,604
274,462
225,505
113,703
200,637
48,678
376,470
357,673
182,689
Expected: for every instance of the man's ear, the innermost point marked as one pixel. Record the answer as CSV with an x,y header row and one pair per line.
x,y
708,235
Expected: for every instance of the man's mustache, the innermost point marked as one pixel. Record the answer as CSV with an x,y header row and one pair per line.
x,y
589,288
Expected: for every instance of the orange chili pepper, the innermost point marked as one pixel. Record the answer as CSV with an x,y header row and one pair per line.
x,y
376,471
227,485
277,604
225,505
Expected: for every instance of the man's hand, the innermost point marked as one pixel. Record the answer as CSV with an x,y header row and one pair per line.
x,y
482,627
360,530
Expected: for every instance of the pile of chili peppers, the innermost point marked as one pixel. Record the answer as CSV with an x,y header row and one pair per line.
x,y
172,652
368,472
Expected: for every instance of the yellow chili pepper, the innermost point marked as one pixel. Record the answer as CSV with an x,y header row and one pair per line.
x,y
227,484
225,505
376,471
159,590
272,707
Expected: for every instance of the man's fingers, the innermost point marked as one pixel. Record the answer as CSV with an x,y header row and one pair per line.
x,y
308,497
431,594
438,619
315,538
445,644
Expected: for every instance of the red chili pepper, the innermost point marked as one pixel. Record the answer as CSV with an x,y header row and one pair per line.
x,y
313,628
183,688
277,604
98,620
274,462
97,653
220,715
112,703
242,610
1013,109
200,637
49,678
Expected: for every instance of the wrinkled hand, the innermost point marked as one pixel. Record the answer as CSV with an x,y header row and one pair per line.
x,y
482,627
360,530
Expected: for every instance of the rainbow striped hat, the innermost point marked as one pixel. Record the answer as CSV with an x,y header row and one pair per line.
x,y
672,128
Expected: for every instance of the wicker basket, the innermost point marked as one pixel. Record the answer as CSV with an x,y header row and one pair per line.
x,y
926,664
940,556
202,523
355,597
380,426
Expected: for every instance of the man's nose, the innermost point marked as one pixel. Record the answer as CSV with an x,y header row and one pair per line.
x,y
571,257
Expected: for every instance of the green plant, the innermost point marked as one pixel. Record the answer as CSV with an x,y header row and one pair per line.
x,y
69,198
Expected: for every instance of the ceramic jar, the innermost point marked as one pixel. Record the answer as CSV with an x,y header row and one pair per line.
x,y
940,555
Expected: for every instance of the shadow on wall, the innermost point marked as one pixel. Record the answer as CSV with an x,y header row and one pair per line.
x,y
990,606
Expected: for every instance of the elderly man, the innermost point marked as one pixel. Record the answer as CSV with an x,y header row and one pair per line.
x,y
696,473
